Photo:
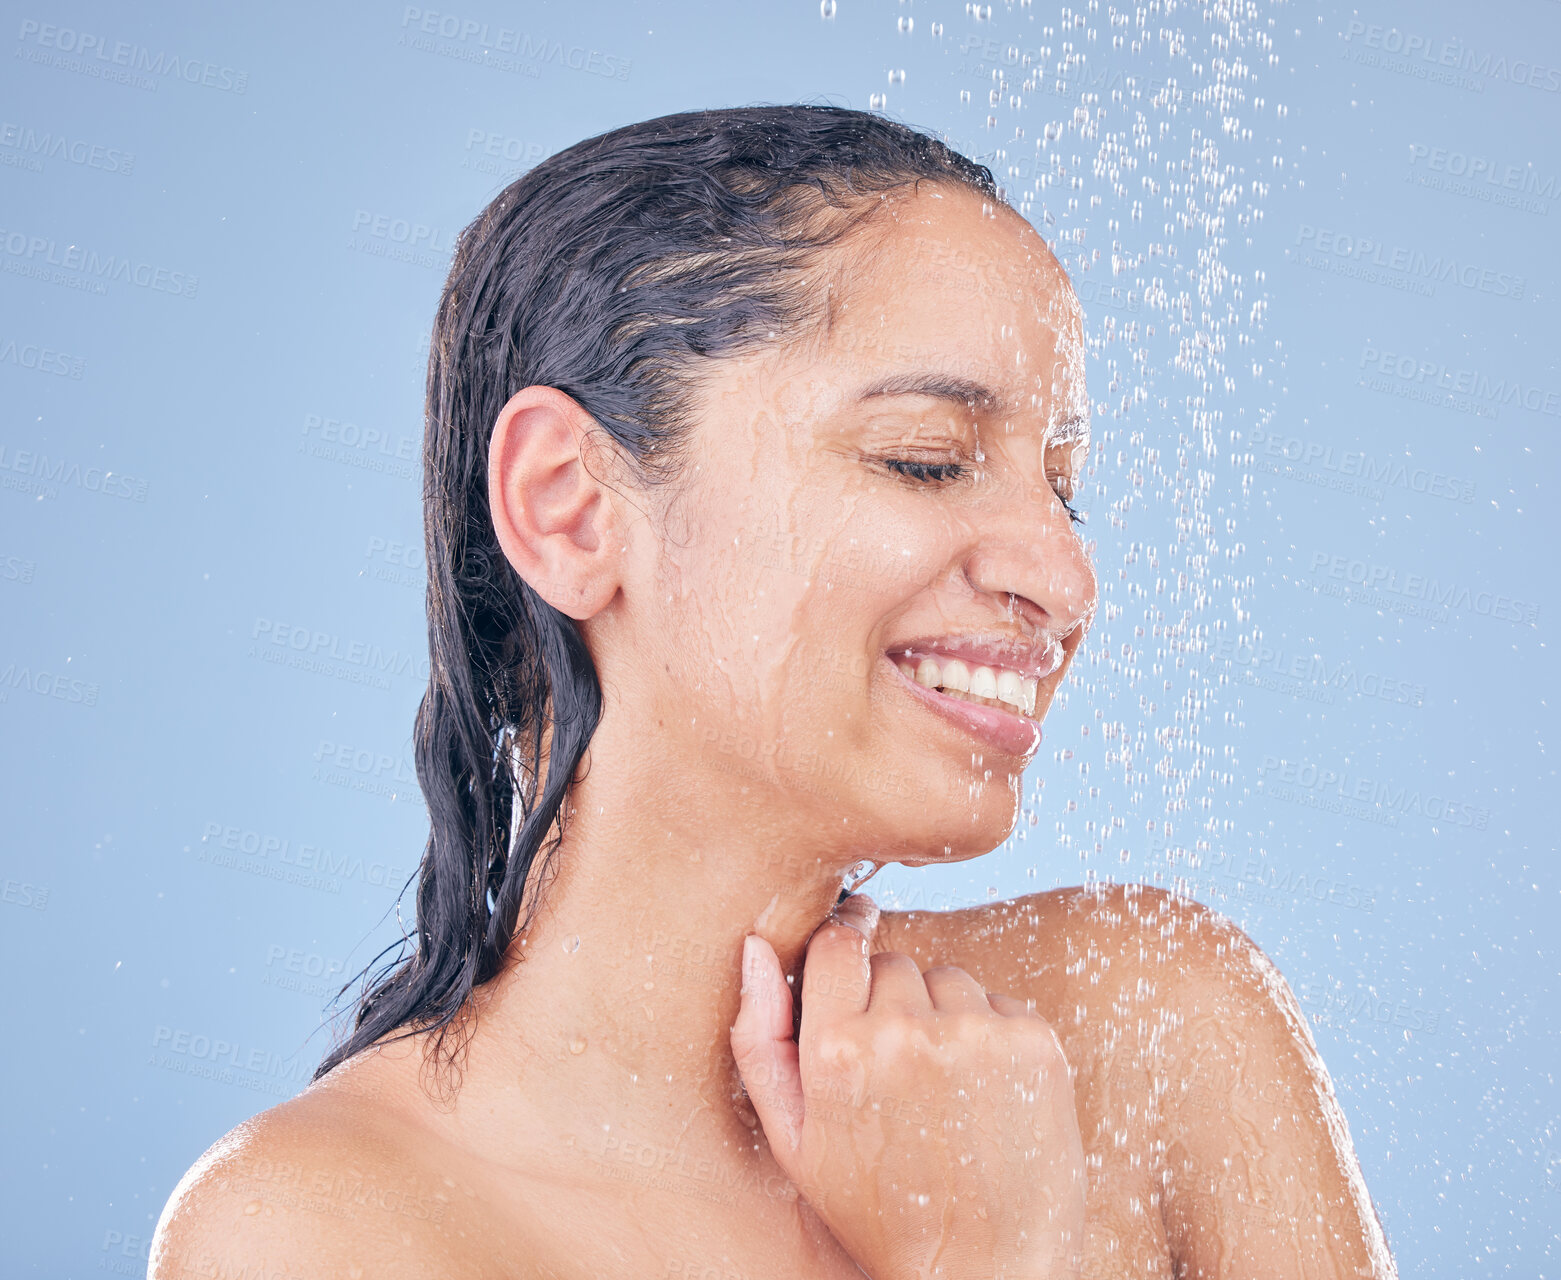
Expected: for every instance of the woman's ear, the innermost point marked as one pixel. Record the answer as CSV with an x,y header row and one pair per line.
x,y
555,520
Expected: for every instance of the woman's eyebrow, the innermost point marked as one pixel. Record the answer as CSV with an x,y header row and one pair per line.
x,y
964,391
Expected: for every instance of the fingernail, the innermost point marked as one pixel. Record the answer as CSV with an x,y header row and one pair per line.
x,y
860,906
753,962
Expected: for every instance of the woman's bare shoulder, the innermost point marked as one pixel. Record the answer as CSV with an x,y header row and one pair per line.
x,y
331,1182
1187,1040
1062,934
1133,978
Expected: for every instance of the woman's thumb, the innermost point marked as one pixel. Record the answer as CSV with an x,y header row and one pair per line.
x,y
764,1049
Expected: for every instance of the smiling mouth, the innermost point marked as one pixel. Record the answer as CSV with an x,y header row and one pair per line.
x,y
1000,688
999,724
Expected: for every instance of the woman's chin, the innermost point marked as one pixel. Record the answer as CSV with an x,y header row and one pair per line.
x,y
964,850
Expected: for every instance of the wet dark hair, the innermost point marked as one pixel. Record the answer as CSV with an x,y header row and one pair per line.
x,y
607,271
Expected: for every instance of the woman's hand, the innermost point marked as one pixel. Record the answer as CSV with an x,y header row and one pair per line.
x,y
930,1124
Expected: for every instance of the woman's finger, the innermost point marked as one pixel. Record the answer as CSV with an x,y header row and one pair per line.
x,y
1009,1006
766,1054
952,989
898,986
836,974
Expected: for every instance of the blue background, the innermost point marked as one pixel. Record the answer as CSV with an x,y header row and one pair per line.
x,y
1277,710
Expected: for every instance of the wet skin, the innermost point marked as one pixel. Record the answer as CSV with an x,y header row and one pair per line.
x,y
599,1127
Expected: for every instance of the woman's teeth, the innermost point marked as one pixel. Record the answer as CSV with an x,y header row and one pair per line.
x,y
986,686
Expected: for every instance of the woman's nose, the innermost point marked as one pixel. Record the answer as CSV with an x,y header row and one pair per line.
x,y
1042,571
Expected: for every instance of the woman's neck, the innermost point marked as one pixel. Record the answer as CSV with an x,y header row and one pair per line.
x,y
614,1015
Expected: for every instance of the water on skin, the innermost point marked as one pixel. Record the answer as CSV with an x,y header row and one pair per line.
x,y
1174,149
1183,158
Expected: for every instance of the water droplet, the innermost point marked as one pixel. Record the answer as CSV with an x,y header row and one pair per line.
x,y
826,9
572,943
577,1045
860,874
906,25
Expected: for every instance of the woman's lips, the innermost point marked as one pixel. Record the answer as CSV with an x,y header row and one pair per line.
x,y
1009,732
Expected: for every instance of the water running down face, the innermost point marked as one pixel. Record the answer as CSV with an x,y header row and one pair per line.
x,y
868,585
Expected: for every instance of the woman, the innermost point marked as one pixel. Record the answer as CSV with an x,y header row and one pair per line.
x,y
751,441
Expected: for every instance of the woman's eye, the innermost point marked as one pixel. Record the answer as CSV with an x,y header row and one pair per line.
x,y
926,472
1064,490
934,473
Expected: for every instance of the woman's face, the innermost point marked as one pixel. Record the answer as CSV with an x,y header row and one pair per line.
x,y
894,486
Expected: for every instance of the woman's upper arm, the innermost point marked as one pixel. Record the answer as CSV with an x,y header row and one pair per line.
x,y
1261,1176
